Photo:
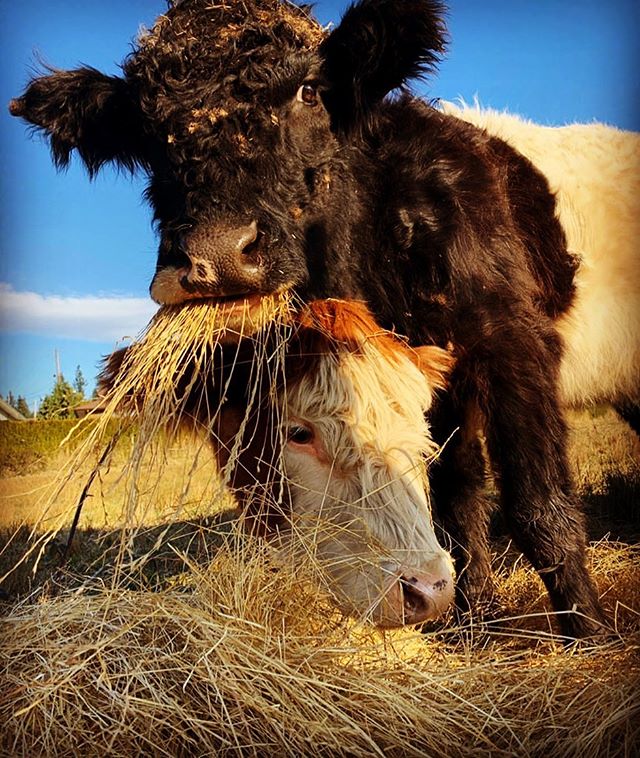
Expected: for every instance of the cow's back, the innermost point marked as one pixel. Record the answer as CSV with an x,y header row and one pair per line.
x,y
594,172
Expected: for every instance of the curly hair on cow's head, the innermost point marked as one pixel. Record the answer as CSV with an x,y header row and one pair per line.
x,y
247,116
209,75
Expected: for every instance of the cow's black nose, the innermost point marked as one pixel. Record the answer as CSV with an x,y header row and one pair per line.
x,y
212,261
225,260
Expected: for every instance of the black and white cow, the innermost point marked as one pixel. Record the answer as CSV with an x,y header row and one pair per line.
x,y
277,162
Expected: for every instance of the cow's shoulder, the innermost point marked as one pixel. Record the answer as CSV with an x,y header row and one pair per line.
x,y
471,206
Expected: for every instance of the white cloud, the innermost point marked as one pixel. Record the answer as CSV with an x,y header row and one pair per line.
x,y
89,317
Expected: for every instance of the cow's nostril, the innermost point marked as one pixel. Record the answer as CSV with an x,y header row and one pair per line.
x,y
414,601
247,253
251,249
246,236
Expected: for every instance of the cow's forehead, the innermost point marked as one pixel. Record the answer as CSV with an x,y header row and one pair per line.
x,y
357,382
365,404
209,76
210,43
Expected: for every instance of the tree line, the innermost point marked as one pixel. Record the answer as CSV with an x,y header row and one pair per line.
x,y
59,403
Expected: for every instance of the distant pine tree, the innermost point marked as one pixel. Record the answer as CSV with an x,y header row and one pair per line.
x,y
59,403
79,382
23,407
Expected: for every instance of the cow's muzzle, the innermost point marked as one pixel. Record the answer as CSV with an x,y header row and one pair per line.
x,y
217,262
414,596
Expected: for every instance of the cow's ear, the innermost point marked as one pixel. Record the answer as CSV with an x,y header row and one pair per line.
x,y
435,363
87,111
379,46
111,368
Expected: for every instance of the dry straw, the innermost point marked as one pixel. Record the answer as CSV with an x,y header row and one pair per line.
x,y
245,658
242,654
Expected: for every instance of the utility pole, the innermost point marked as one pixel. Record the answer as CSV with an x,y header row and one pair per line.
x,y
58,372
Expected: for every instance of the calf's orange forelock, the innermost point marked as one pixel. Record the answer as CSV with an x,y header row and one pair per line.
x,y
324,324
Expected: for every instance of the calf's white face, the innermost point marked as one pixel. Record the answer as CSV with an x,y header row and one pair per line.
x,y
327,455
355,456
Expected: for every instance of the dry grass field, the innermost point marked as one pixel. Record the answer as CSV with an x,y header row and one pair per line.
x,y
187,638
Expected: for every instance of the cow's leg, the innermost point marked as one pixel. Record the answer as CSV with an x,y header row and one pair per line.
x,y
458,485
527,441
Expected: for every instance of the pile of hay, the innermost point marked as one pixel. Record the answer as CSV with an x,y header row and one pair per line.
x,y
246,658
243,654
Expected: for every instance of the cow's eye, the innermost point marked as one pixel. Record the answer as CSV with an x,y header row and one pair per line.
x,y
301,435
308,95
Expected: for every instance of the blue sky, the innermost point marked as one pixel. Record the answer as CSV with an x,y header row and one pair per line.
x,y
77,257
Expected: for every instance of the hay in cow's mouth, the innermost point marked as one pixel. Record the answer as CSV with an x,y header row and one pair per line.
x,y
237,316
241,313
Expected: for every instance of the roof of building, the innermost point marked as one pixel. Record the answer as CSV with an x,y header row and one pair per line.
x,y
96,405
10,412
89,405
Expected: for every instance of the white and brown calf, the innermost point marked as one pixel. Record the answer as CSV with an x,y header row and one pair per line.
x,y
329,457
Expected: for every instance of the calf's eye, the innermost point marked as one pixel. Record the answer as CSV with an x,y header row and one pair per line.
x,y
301,435
308,95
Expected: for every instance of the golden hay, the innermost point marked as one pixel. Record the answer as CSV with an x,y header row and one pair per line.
x,y
246,658
242,654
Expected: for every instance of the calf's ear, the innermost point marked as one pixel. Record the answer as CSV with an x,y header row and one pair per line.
x,y
379,46
88,111
111,366
435,363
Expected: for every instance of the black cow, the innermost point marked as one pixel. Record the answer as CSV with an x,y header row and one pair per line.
x,y
278,161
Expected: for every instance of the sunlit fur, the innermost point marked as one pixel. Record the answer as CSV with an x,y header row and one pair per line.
x,y
594,171
364,493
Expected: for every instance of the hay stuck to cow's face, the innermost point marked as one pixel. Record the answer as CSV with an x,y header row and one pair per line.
x,y
320,430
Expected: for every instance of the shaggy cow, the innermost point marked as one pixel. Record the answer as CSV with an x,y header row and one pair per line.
x,y
325,450
277,162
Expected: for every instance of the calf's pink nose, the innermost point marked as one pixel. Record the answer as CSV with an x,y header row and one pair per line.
x,y
417,596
